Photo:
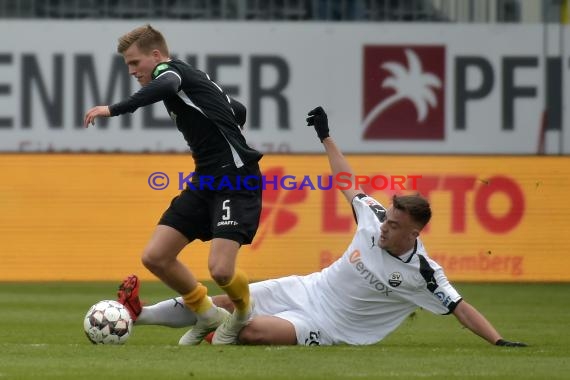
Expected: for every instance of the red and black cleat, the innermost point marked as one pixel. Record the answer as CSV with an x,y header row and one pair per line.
x,y
128,295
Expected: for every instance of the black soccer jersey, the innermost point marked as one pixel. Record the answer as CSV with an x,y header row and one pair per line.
x,y
201,111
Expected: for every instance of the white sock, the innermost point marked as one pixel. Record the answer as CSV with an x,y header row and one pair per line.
x,y
170,313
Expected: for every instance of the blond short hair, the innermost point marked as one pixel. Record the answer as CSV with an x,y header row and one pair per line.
x,y
146,38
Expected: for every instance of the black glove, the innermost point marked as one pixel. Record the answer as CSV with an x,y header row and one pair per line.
x,y
318,119
506,343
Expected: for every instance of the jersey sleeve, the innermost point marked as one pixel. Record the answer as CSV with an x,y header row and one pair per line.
x,y
438,295
363,204
240,112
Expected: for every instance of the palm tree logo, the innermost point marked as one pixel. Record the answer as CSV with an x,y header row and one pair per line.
x,y
408,83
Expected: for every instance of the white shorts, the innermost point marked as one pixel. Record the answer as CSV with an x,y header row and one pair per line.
x,y
287,298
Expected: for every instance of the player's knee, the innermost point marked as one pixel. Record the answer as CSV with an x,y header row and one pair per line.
x,y
149,263
221,278
221,274
152,261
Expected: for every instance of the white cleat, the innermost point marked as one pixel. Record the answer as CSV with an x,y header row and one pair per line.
x,y
228,332
203,327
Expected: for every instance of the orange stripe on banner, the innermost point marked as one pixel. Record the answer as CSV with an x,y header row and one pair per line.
x,y
88,217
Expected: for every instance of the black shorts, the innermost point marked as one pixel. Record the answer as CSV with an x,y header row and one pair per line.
x,y
229,212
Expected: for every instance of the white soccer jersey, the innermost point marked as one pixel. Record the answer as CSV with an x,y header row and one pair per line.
x,y
367,293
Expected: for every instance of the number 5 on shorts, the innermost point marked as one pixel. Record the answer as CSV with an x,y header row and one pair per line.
x,y
226,208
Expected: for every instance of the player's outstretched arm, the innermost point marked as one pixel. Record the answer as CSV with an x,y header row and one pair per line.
x,y
471,318
157,90
338,163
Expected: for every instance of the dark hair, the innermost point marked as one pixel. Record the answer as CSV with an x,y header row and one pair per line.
x,y
146,38
414,205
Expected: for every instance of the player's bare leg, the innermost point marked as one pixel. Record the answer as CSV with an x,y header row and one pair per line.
x,y
161,258
222,263
268,330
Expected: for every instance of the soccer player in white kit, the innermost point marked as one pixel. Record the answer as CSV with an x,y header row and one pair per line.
x,y
383,276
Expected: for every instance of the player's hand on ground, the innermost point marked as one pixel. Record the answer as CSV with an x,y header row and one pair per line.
x,y
99,111
506,343
318,118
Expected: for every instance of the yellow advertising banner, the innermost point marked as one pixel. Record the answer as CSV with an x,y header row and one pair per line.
x,y
88,217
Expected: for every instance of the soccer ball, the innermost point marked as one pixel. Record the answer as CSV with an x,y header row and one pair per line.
x,y
108,322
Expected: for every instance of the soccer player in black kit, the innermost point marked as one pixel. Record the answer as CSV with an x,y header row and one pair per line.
x,y
210,122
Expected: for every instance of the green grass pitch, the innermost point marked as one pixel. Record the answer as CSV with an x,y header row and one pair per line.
x,y
41,337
